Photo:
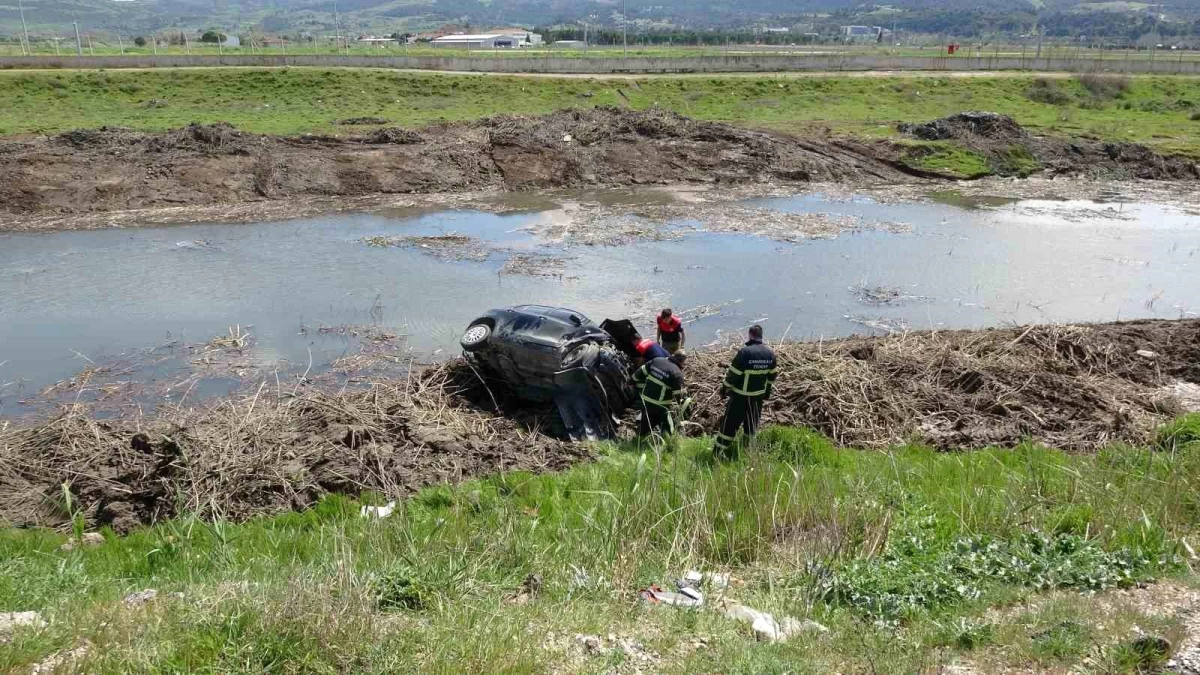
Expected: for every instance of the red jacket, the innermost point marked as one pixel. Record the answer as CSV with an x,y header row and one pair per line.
x,y
669,326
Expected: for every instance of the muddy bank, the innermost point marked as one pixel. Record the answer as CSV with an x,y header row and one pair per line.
x,y
1074,387
1010,150
110,169
48,182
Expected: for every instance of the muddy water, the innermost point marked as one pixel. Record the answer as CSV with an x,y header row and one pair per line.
x,y
70,299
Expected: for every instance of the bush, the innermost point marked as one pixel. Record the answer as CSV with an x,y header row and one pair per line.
x,y
139,41
919,571
401,589
1179,432
1195,117
1105,86
1045,90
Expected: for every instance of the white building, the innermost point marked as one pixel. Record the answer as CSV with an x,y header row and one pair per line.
x,y
529,38
861,32
486,41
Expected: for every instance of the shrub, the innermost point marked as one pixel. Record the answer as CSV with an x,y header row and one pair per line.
x,y
1195,117
1104,86
401,589
1181,431
139,41
1045,90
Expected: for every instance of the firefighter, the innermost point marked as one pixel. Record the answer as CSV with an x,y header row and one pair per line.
x,y
670,331
747,384
647,350
660,383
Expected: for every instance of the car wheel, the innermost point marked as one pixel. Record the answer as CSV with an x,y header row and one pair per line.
x,y
583,355
475,336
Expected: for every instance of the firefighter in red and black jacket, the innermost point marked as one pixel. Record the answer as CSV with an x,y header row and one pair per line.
x,y
747,384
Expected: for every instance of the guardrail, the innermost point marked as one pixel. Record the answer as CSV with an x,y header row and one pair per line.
x,y
618,65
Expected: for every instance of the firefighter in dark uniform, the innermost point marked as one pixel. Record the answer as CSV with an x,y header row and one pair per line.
x,y
747,384
660,383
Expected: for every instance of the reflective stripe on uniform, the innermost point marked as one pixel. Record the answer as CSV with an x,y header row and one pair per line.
x,y
745,390
664,392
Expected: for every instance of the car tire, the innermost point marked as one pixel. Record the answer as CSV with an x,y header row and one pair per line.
x,y
475,337
581,356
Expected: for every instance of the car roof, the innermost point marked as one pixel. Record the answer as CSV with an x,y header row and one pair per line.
x,y
559,313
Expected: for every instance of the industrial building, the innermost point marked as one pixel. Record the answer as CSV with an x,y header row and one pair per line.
x,y
487,41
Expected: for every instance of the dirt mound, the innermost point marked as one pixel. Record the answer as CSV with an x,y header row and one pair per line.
x,y
244,457
204,165
968,126
364,121
1073,387
394,135
1010,150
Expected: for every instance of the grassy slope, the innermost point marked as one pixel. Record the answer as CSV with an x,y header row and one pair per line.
x,y
899,553
1153,110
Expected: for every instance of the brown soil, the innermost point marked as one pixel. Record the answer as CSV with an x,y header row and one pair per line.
x,y
115,169
1008,147
52,182
1073,387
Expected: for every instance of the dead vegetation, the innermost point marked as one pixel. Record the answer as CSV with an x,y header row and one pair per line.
x,y
270,451
279,448
535,265
449,246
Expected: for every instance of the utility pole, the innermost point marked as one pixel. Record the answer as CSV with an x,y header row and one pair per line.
x,y
78,42
121,43
624,30
337,32
56,52
26,49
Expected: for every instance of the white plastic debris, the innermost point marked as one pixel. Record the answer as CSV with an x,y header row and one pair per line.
x,y
715,580
767,629
567,138
11,620
60,660
378,511
140,597
1146,354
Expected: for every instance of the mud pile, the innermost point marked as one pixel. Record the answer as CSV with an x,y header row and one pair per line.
x,y
1012,151
101,170
969,126
243,457
1073,387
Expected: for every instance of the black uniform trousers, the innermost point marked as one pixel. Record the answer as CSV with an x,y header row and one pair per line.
x,y
741,412
655,419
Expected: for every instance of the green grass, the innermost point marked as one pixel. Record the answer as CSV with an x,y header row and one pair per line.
x,y
1153,110
899,553
946,159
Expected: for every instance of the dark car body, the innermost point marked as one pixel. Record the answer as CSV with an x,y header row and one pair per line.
x,y
542,354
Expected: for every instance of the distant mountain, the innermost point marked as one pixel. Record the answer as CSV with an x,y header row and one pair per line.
x,y
1121,18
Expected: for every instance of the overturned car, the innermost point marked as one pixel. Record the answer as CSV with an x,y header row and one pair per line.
x,y
542,354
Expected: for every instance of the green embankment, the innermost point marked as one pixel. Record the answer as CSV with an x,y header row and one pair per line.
x,y
1153,110
900,554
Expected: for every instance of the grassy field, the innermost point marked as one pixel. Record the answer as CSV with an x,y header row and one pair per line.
x,y
100,46
1157,111
910,558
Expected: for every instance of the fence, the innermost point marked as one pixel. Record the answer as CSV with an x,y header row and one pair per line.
x,y
635,65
